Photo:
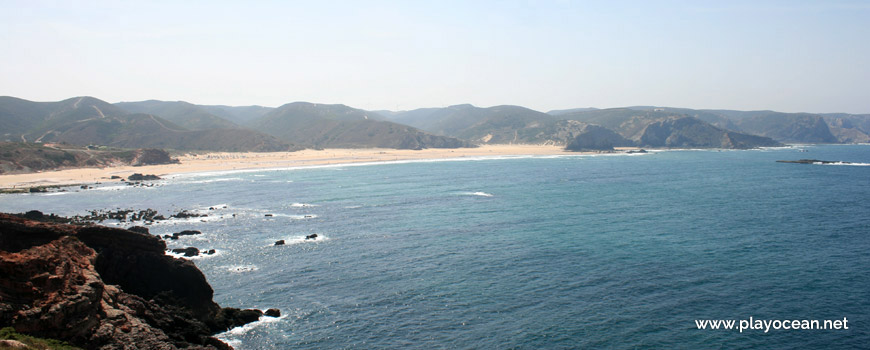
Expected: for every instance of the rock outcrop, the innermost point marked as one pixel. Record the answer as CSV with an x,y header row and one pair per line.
x,y
151,156
597,138
105,288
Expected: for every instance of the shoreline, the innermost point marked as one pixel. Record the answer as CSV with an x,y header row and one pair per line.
x,y
229,161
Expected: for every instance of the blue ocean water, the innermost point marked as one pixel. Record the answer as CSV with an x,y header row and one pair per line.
x,y
528,252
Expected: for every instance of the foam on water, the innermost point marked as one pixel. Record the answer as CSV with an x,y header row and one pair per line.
x,y
240,268
231,336
479,194
303,205
844,163
292,240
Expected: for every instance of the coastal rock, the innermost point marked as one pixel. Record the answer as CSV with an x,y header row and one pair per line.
x,y
141,177
272,313
105,288
311,236
279,242
184,214
188,252
182,233
597,138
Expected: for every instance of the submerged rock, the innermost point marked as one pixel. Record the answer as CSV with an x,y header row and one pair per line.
x,y
311,236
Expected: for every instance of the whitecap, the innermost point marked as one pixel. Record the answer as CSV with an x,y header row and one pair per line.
x,y
480,194
191,220
301,239
200,256
240,268
54,193
845,163
303,205
231,336
295,217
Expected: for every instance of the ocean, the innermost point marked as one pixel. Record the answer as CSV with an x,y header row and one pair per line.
x,y
545,252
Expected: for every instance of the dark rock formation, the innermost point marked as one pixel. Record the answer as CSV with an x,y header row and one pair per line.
x,y
184,214
105,288
272,313
182,233
311,236
279,242
188,252
140,177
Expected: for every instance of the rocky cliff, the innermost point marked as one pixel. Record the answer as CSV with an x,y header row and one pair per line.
x,y
598,138
105,288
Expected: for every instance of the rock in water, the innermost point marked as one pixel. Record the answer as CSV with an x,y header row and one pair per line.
x,y
279,242
272,313
311,236
189,251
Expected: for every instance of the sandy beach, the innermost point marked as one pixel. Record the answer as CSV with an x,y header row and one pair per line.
x,y
218,161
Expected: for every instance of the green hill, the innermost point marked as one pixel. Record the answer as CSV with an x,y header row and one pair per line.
x,y
340,126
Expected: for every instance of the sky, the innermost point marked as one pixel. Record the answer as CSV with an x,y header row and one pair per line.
x,y
790,56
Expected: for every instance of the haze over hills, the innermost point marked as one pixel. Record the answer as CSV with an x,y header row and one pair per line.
x,y
189,116
184,126
339,126
618,127
782,127
241,115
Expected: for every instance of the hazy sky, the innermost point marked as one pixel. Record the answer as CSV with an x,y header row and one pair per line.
x,y
792,56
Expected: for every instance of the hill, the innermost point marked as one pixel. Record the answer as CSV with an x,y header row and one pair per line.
x,y
33,121
340,126
597,138
145,130
499,124
782,127
87,120
849,128
788,127
184,114
19,157
241,115
666,127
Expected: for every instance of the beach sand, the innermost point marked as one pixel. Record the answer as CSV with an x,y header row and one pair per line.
x,y
219,161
